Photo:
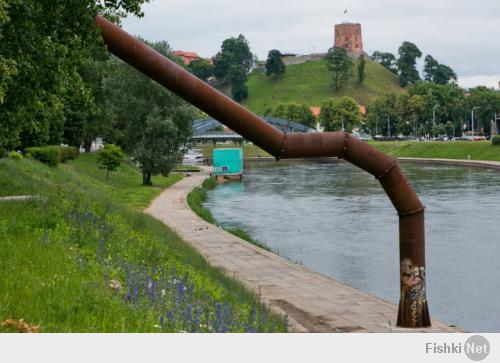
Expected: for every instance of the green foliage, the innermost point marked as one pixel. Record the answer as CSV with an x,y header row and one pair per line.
x,y
234,52
14,155
407,63
361,69
430,67
310,83
495,140
43,45
50,155
340,114
274,63
78,261
195,200
109,158
68,153
237,77
294,112
412,113
53,155
487,102
388,60
134,98
438,73
201,68
159,150
244,235
339,64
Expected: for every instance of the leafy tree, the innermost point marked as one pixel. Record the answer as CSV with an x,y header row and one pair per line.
x,y
388,60
237,77
340,64
406,63
449,97
361,69
444,75
436,72
300,113
430,68
109,158
7,66
159,149
274,63
338,113
234,51
201,68
382,114
487,102
46,41
132,98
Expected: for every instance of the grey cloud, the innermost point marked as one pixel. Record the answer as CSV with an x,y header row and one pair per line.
x,y
460,33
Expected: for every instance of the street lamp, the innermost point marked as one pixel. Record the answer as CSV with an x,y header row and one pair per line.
x,y
434,119
472,120
434,114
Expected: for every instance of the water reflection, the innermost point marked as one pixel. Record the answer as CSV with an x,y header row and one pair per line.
x,y
337,220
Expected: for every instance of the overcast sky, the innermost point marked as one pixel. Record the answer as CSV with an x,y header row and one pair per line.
x,y
463,34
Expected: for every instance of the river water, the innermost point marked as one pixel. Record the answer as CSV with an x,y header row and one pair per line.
x,y
335,219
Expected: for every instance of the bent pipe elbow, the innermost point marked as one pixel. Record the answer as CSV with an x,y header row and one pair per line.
x,y
343,145
413,310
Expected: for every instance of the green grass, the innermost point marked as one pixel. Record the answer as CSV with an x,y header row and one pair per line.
x,y
478,150
187,168
81,258
310,83
195,201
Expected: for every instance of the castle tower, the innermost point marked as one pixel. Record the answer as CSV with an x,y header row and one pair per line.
x,y
348,36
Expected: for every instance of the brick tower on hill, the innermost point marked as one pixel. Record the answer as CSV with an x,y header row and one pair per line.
x,y
348,36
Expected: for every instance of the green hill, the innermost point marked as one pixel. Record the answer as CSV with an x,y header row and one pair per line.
x,y
310,82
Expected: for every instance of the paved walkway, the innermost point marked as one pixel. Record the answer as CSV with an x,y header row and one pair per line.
x,y
313,302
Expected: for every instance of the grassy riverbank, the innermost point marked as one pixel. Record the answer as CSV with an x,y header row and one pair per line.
x,y
195,200
81,258
478,150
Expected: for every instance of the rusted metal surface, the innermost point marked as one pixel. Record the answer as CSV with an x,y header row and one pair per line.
x,y
413,310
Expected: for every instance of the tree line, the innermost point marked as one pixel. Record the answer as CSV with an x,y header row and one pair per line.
x,y
430,108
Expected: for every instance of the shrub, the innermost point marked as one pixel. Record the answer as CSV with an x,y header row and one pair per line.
x,y
495,140
50,155
109,158
15,155
68,153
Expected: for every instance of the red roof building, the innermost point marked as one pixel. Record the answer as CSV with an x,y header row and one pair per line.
x,y
187,57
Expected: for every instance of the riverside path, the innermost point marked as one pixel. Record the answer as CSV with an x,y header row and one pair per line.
x,y
312,302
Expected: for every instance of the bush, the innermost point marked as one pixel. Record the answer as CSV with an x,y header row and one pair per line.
x,y
15,155
50,155
69,153
53,155
495,140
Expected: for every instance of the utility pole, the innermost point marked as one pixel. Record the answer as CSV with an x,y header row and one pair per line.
x,y
376,126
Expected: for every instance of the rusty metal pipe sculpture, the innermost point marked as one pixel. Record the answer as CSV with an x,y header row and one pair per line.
x,y
413,309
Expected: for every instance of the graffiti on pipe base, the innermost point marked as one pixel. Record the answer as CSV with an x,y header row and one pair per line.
x,y
413,292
